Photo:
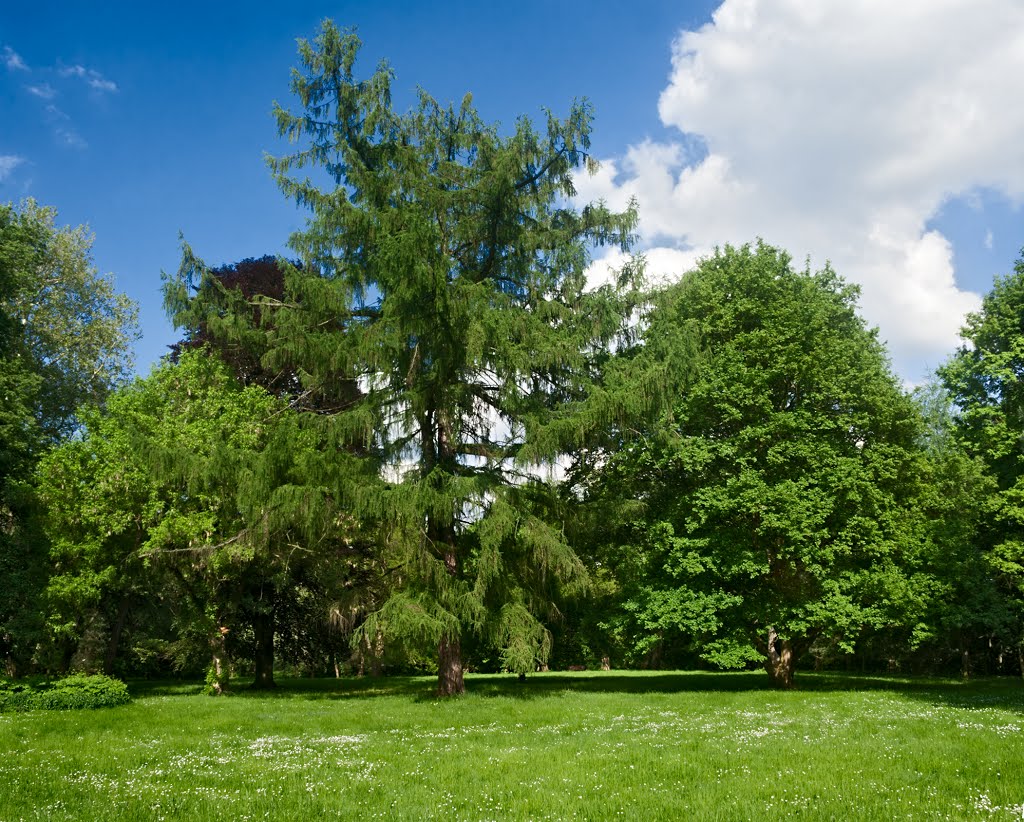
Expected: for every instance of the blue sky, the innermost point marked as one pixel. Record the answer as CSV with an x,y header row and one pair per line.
x,y
820,130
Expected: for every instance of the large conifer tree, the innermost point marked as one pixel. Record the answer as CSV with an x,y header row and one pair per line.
x,y
444,268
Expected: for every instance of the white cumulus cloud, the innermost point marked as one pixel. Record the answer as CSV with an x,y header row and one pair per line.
x,y
836,130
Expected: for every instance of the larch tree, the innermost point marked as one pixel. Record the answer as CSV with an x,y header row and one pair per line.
x,y
444,269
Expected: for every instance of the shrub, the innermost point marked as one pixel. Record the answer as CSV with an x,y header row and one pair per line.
x,y
73,692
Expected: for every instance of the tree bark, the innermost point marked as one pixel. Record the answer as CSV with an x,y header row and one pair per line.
x,y
263,629
780,660
449,669
450,680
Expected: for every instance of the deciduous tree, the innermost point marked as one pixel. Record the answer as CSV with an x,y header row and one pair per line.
x,y
769,509
65,341
985,379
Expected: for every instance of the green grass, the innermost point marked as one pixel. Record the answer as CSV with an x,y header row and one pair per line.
x,y
588,746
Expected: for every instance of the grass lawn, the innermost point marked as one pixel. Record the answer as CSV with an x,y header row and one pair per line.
x,y
559,746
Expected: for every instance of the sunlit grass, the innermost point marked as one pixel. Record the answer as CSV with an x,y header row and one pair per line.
x,y
587,746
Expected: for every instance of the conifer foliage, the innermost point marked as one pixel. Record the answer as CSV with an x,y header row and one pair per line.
x,y
443,268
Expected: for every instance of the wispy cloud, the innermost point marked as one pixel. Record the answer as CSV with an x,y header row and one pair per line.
x,y
989,239
93,78
13,60
9,162
64,128
44,91
70,137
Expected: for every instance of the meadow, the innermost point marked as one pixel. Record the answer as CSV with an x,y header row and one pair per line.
x,y
558,746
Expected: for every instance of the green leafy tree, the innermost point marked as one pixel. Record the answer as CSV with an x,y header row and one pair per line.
x,y
186,482
769,509
961,605
443,269
65,340
72,329
985,379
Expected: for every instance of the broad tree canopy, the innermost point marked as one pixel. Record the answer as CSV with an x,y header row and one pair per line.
x,y
771,498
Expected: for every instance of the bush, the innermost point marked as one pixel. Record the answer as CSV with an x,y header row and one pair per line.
x,y
71,693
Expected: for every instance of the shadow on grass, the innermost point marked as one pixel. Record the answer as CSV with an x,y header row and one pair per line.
x,y
988,692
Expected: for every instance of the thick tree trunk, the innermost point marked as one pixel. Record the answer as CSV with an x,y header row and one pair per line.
x,y
449,668
449,653
115,637
780,660
263,629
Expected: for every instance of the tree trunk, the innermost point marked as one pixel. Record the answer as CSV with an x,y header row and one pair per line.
x,y
217,681
263,629
377,657
115,637
437,450
779,661
449,669
606,663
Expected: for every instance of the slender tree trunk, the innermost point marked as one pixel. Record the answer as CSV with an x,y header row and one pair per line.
x,y
263,628
115,636
779,661
219,673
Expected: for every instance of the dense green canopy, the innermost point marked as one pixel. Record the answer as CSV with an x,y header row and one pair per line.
x,y
366,445
769,507
985,380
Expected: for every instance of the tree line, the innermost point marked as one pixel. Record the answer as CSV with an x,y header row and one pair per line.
x,y
428,443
